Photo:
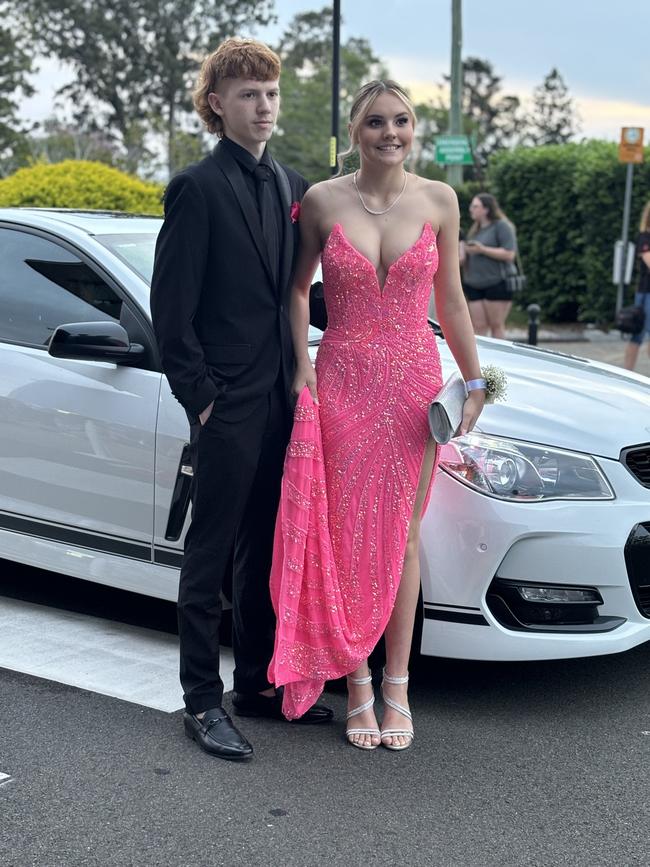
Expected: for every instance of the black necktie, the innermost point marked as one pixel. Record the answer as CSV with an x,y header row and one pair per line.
x,y
263,179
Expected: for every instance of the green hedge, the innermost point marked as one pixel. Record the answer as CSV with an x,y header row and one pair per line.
x,y
79,184
567,204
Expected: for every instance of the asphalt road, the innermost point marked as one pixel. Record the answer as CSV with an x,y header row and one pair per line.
x,y
513,764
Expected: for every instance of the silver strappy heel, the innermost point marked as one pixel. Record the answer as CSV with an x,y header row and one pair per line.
x,y
358,710
392,733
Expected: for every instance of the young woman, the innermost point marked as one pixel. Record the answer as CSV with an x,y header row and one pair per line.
x,y
490,244
360,463
642,295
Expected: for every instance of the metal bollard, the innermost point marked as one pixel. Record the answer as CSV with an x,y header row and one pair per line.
x,y
533,315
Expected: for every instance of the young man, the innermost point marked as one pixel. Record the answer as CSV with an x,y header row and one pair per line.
x,y
219,301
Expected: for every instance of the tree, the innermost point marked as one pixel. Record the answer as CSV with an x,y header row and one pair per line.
x,y
135,60
494,121
432,121
554,119
58,141
304,131
15,67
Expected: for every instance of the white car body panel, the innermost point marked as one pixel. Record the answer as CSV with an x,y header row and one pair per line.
x,y
77,440
82,561
90,454
567,402
567,543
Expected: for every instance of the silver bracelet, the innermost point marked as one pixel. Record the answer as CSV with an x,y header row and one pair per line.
x,y
475,385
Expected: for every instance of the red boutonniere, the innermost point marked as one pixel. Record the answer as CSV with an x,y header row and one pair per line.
x,y
294,212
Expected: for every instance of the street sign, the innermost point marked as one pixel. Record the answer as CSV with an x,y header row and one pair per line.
x,y
630,148
453,150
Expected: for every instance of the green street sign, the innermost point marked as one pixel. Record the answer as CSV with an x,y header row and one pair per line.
x,y
453,150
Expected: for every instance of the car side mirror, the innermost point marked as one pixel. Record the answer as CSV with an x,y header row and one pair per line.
x,y
95,341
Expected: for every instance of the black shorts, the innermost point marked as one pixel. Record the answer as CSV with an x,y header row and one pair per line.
x,y
497,292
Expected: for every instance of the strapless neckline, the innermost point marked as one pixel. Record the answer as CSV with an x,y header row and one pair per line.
x,y
365,259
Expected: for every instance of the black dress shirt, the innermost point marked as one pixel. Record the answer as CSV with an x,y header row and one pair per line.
x,y
274,228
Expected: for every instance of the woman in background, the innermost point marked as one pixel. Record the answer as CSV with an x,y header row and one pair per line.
x,y
489,248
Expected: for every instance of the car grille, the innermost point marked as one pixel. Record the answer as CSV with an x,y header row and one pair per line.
x,y
637,460
637,560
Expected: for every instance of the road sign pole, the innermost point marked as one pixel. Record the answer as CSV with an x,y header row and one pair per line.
x,y
630,151
627,205
455,172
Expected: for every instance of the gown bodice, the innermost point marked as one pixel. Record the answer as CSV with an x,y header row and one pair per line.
x,y
358,307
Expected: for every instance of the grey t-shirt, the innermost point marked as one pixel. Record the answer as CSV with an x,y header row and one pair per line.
x,y
482,271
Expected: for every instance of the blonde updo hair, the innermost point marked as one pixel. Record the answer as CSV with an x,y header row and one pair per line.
x,y
362,104
234,58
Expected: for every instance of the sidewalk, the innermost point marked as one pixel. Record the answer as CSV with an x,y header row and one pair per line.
x,y
592,343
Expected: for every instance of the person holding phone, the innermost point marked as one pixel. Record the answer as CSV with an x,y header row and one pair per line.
x,y
490,246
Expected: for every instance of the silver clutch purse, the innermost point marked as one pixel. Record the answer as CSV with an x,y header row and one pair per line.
x,y
446,411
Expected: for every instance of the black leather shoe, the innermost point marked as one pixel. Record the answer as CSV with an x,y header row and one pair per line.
x,y
217,735
270,706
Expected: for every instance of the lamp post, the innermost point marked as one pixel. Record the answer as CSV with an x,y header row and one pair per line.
x,y
336,62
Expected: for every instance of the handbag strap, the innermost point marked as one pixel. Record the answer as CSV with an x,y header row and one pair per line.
x,y
520,267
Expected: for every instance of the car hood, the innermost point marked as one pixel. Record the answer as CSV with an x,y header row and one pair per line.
x,y
562,400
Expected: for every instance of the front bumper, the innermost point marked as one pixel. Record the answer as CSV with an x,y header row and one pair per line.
x,y
468,539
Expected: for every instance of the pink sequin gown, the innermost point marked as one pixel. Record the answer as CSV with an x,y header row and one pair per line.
x,y
352,468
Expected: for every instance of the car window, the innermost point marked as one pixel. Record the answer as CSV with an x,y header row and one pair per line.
x,y
43,285
135,249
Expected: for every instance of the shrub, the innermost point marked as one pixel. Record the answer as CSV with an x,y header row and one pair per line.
x,y
79,184
600,187
567,204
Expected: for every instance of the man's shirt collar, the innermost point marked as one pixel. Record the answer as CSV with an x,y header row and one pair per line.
x,y
245,158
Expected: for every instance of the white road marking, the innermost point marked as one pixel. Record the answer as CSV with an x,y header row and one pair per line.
x,y
4,778
127,662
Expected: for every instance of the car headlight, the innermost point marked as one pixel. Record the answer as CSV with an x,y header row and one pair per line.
x,y
512,470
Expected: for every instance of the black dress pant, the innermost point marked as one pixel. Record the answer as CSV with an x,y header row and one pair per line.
x,y
235,492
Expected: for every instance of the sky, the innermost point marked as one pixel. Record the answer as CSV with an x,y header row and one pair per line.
x,y
600,47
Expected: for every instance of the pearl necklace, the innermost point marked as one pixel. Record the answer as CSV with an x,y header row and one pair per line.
x,y
392,204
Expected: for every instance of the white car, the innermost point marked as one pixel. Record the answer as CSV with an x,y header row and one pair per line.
x,y
536,543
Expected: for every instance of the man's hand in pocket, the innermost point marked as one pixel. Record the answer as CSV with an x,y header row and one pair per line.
x,y
205,415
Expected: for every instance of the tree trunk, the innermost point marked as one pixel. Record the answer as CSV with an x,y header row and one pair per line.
x,y
171,156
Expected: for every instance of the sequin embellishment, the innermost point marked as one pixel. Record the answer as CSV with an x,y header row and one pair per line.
x,y
352,468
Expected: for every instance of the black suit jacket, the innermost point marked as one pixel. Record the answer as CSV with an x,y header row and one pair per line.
x,y
220,318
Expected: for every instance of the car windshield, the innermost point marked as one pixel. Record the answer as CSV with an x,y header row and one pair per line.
x,y
136,249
